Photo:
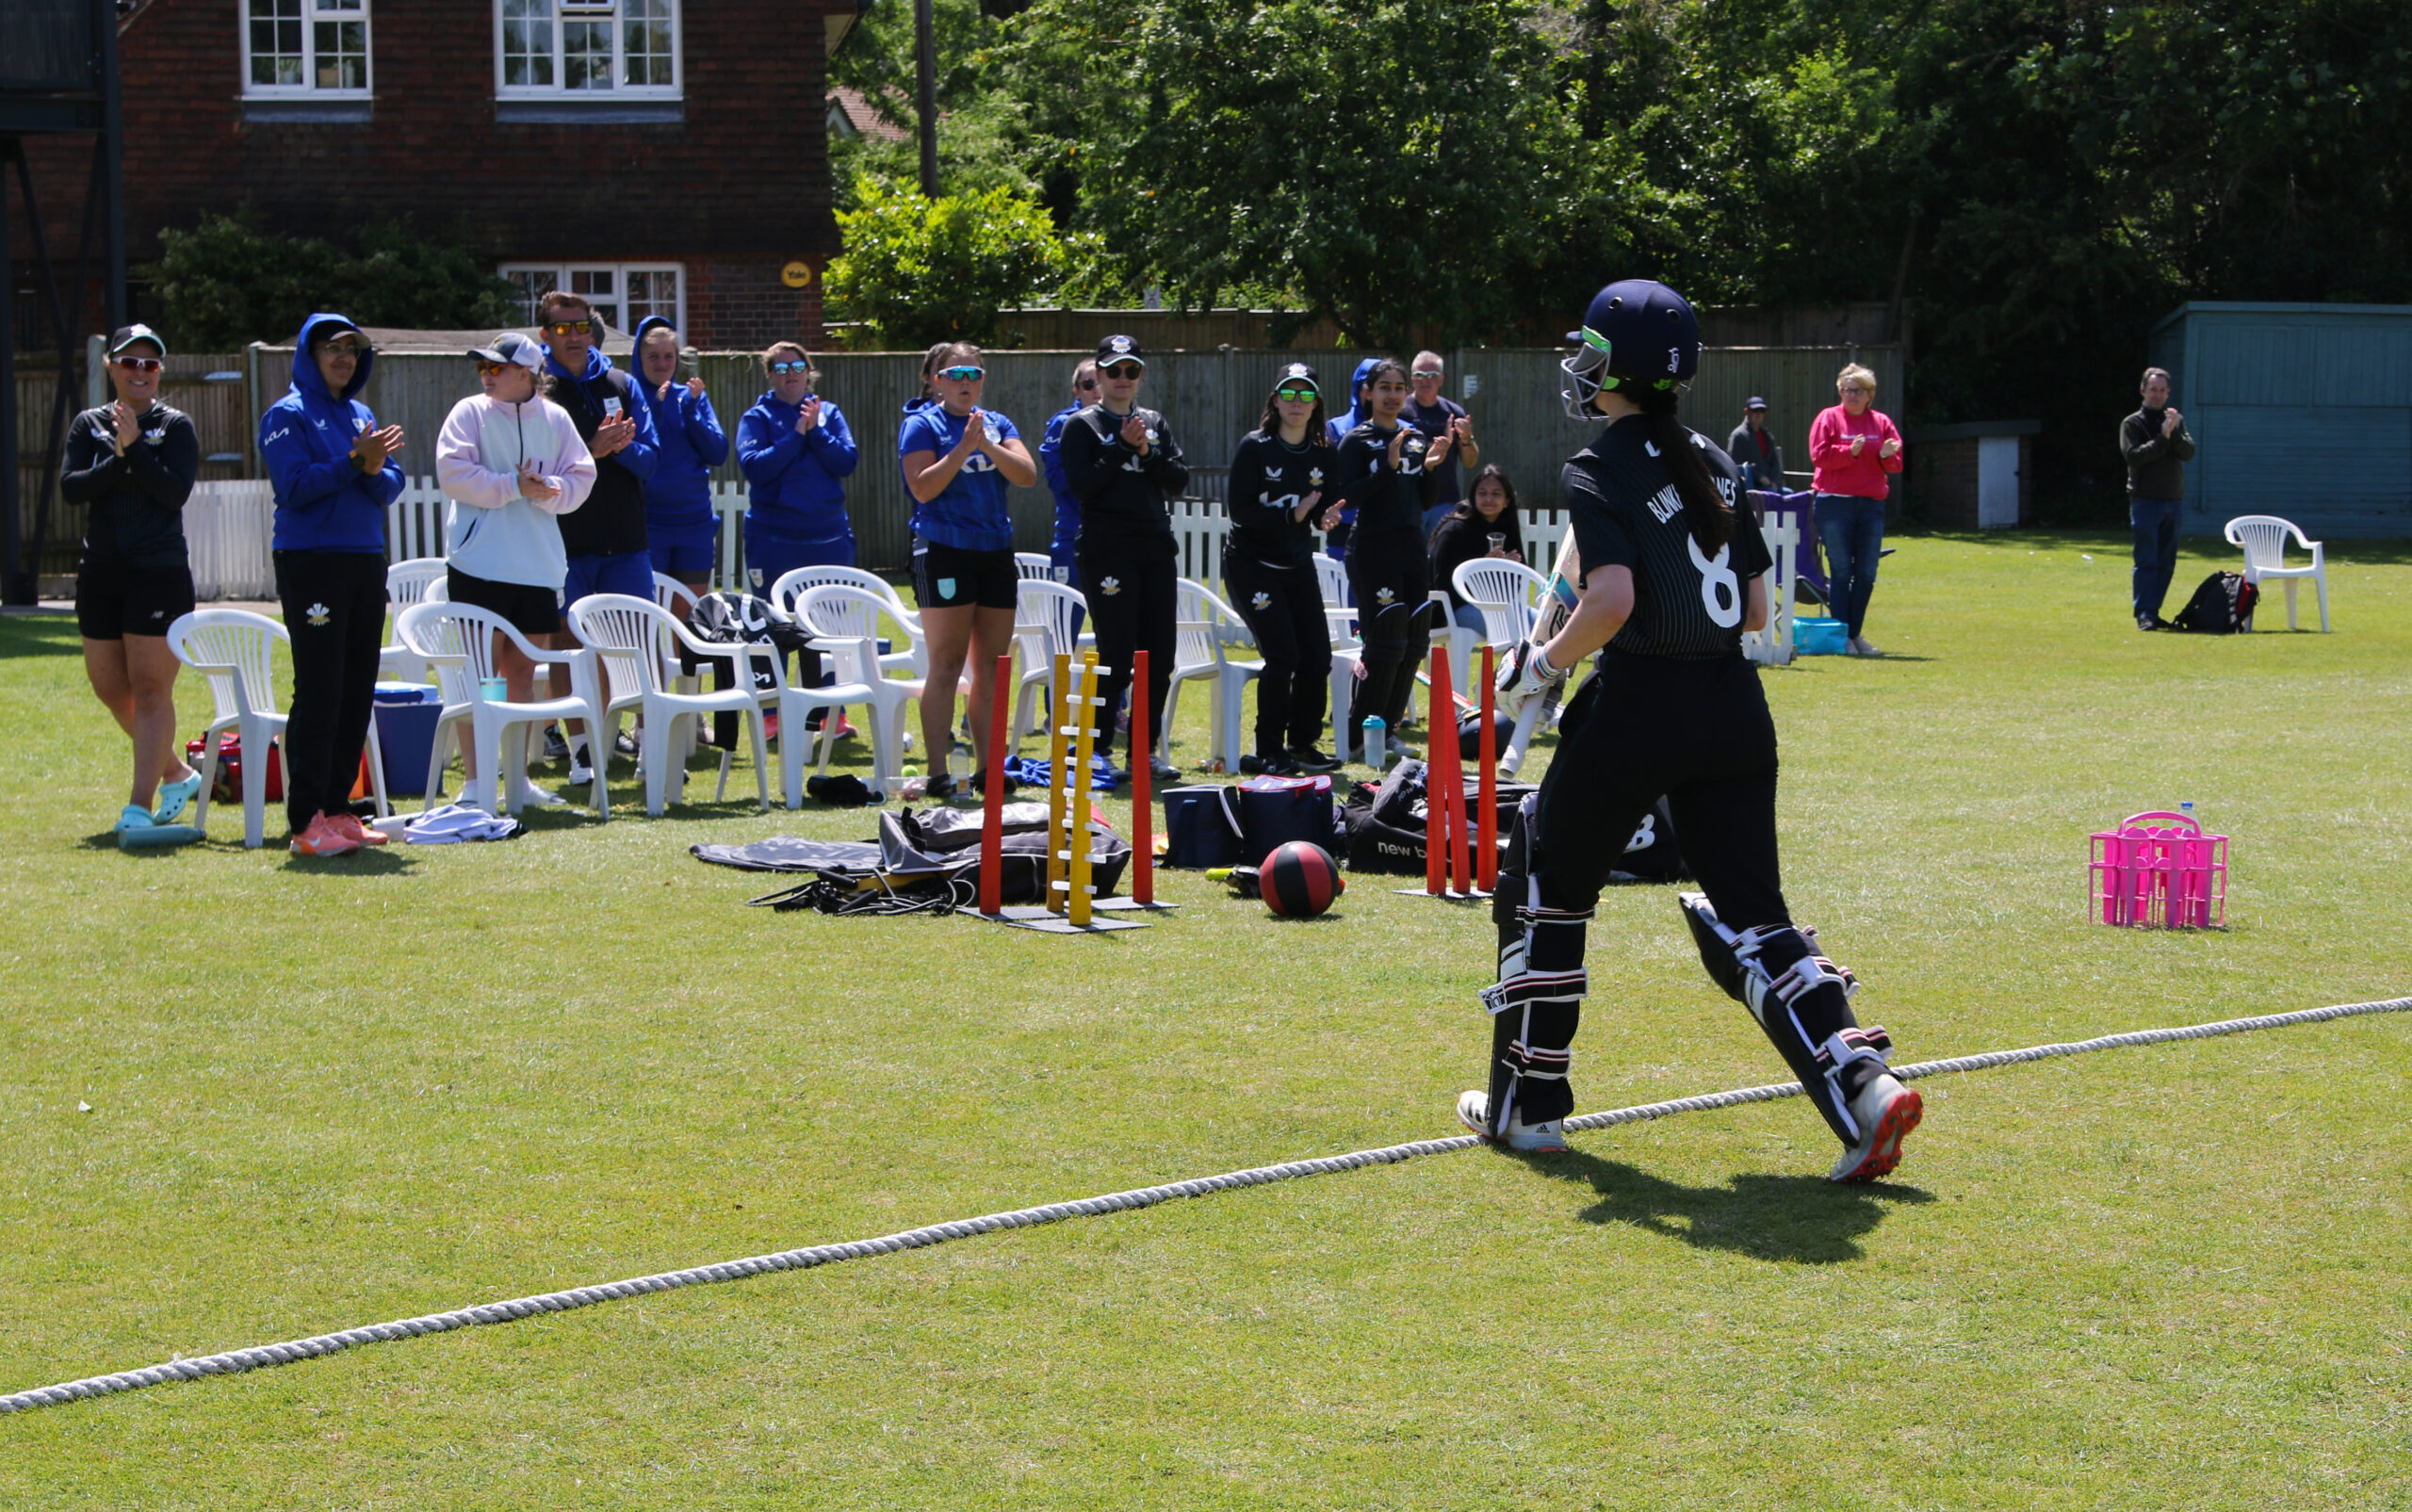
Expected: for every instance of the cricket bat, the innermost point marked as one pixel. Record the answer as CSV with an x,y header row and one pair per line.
x,y
1556,607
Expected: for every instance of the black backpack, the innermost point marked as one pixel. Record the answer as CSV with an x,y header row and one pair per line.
x,y
2223,605
730,618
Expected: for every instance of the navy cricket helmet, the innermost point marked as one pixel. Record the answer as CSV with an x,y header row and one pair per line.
x,y
1637,332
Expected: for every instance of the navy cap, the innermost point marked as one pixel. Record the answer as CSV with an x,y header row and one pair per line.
x,y
1119,349
1756,403
1296,373
513,346
124,337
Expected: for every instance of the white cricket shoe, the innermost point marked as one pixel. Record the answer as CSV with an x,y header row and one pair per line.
x,y
1885,1112
1474,1111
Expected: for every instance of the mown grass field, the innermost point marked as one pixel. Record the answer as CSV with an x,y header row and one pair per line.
x,y
329,1093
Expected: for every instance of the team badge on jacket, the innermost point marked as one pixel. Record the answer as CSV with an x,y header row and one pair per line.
x,y
1109,585
1383,595
1259,600
315,613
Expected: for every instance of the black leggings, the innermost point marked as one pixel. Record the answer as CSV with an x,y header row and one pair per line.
x,y
1284,609
1134,594
1388,584
334,609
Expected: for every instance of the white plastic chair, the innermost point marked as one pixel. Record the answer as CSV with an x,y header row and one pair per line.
x,y
1030,565
1203,631
914,657
1348,651
851,665
837,612
2264,539
457,642
1045,613
633,639
406,583
231,647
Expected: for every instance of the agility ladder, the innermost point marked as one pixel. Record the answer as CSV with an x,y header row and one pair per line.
x,y
237,1361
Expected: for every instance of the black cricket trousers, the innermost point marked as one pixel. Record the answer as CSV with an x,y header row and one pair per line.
x,y
1283,608
1134,596
334,609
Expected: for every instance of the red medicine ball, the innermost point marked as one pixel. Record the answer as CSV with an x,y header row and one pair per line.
x,y
1300,880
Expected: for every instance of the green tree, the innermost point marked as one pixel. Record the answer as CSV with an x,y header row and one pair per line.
x,y
917,270
226,283
1401,165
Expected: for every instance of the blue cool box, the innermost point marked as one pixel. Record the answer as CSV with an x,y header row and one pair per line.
x,y
1815,637
406,713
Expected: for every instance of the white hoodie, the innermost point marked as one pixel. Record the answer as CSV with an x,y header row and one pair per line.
x,y
491,530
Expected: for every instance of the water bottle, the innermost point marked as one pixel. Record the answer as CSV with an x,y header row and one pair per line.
x,y
1375,734
2187,808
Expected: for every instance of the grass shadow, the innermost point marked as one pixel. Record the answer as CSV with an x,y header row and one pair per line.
x,y
370,860
1804,1219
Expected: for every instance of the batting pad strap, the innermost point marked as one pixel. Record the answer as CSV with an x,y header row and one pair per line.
x,y
1845,1045
1531,987
1809,973
1535,1063
1533,915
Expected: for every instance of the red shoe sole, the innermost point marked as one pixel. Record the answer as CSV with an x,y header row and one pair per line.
x,y
1895,1127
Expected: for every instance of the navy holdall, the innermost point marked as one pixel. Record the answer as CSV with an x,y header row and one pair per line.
x,y
1201,827
1273,811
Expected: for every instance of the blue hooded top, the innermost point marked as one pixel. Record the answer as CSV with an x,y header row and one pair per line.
x,y
1050,466
324,502
688,445
612,521
1351,418
793,488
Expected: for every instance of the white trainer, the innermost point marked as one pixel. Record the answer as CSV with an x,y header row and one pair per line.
x,y
1885,1112
1548,1138
1861,646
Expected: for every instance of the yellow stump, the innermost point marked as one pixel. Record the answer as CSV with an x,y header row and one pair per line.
x,y
1058,744
1076,829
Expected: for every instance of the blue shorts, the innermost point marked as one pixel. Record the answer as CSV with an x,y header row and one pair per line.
x,y
770,558
683,550
620,572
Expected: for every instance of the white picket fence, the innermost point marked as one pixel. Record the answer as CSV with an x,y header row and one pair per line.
x,y
227,528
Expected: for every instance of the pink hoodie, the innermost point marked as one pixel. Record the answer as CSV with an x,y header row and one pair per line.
x,y
1837,470
494,532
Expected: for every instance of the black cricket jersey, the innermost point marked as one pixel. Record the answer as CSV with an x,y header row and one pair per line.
x,y
1390,501
1268,480
1122,493
1625,511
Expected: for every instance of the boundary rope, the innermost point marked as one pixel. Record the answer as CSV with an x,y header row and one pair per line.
x,y
259,1357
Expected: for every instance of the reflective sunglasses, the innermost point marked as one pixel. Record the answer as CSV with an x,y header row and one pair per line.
x,y
570,328
1426,373
1297,396
782,369
487,369
964,375
141,364
1124,370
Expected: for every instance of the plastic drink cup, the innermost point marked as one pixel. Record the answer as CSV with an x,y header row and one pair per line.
x,y
1498,541
494,689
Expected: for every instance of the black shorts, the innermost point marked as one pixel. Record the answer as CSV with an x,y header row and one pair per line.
x,y
112,603
947,576
531,610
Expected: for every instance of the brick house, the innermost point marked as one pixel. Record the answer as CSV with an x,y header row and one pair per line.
x,y
660,156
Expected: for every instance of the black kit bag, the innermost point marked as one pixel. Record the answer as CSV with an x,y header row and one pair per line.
x,y
1201,827
1652,854
2222,606
1383,827
1273,811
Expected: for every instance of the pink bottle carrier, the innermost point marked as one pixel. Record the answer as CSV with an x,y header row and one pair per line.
x,y
2161,871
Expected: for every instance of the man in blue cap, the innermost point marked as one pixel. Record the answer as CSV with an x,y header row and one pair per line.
x,y
1753,450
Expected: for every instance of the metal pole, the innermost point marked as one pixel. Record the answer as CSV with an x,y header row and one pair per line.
x,y
113,155
926,93
14,584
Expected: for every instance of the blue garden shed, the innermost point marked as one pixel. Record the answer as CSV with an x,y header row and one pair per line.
x,y
2298,410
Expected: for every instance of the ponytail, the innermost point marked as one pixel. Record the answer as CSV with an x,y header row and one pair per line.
x,y
1707,514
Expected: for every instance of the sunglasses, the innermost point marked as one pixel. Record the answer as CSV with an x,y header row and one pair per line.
x,y
964,375
141,364
782,369
570,328
1427,375
340,348
1085,382
486,369
1123,370
1297,396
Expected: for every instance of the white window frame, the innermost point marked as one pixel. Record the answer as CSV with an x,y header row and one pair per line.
x,y
313,13
614,11
619,298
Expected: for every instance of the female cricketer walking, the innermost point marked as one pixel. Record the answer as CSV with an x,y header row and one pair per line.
x,y
1669,578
